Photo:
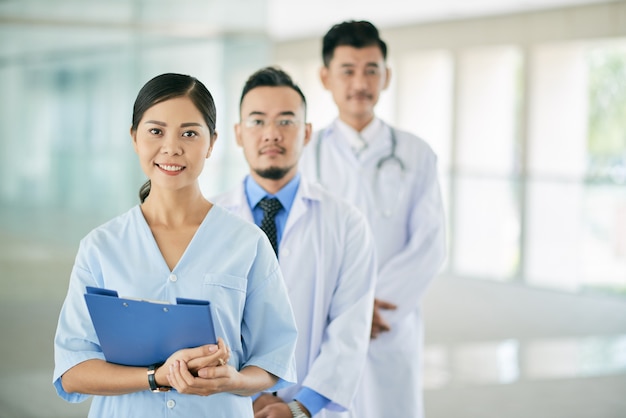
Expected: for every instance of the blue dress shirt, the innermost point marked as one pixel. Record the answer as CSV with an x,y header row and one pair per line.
x,y
286,195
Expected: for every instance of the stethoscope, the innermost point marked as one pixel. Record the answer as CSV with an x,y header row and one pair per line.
x,y
390,160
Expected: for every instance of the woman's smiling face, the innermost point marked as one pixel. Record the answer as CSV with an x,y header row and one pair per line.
x,y
172,141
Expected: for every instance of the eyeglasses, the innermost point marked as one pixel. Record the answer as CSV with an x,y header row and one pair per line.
x,y
283,123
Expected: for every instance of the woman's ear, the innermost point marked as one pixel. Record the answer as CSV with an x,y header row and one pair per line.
x,y
210,150
133,136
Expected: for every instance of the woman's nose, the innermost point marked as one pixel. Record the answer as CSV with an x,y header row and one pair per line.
x,y
171,145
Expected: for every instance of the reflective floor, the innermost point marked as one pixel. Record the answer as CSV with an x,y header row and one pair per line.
x,y
478,363
551,378
514,361
497,350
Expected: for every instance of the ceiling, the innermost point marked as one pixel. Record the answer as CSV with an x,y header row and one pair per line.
x,y
28,27
303,18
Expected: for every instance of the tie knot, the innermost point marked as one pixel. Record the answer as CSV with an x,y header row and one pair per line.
x,y
270,206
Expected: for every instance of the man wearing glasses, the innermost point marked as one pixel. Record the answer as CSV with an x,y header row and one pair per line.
x,y
323,244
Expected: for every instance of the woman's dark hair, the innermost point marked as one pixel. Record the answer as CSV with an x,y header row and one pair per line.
x,y
169,86
358,34
271,77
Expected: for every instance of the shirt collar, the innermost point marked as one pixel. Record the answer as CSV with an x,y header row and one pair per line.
x,y
286,195
358,141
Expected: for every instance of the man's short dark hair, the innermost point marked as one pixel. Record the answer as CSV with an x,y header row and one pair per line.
x,y
358,34
271,77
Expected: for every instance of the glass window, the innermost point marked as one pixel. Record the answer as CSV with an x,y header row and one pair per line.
x,y
604,231
486,213
576,203
486,228
425,100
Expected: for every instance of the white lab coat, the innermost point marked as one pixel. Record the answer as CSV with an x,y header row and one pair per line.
x,y
406,215
327,257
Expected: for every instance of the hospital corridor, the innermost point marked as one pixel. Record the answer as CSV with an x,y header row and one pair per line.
x,y
524,104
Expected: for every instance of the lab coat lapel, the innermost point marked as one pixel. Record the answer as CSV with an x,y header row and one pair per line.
x,y
236,202
377,148
335,139
300,206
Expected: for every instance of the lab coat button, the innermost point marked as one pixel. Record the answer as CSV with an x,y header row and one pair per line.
x,y
285,252
173,278
171,404
387,213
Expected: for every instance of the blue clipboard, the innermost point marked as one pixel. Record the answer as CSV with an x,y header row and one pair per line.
x,y
140,333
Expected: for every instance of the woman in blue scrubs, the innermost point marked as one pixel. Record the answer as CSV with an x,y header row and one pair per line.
x,y
178,244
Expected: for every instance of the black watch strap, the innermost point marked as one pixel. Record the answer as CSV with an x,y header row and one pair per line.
x,y
152,380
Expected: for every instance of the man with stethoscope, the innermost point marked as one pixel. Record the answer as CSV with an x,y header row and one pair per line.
x,y
392,177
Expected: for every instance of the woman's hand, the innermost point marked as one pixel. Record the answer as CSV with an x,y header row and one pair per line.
x,y
205,371
226,378
195,359
213,358
210,380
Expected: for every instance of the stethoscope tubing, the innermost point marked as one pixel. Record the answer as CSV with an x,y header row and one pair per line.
x,y
391,157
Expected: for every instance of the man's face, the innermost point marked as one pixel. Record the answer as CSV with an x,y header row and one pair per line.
x,y
356,77
272,132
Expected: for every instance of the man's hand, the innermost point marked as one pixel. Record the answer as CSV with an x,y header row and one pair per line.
x,y
275,408
379,325
264,400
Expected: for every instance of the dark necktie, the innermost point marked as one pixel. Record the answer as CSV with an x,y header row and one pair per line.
x,y
270,209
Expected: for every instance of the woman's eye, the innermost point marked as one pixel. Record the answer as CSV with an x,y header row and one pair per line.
x,y
155,131
189,134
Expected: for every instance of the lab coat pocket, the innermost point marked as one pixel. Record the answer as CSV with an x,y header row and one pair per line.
x,y
389,188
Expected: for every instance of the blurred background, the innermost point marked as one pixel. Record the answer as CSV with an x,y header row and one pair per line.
x,y
523,101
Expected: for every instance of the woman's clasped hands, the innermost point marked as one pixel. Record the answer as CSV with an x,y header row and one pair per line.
x,y
202,370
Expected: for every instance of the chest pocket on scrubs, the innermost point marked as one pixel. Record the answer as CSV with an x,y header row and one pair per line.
x,y
226,293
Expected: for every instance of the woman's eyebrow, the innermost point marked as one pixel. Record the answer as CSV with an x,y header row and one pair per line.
x,y
182,125
156,122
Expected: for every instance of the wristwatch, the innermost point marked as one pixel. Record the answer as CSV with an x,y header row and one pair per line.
x,y
296,411
152,380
